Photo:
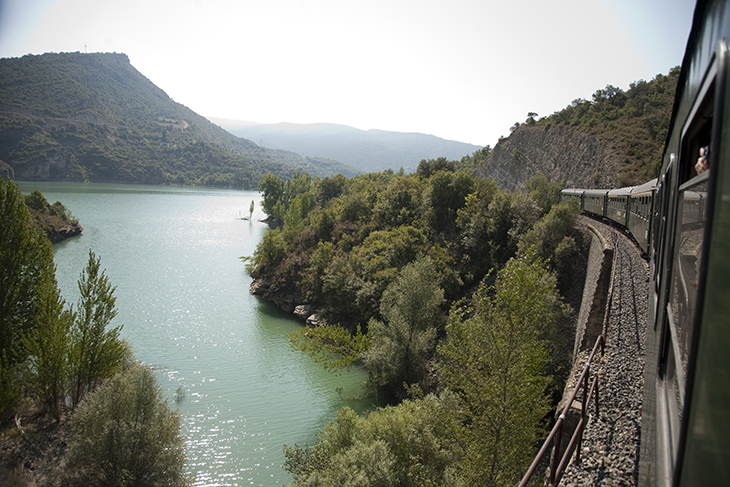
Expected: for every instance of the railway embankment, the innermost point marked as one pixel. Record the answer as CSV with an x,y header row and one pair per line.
x,y
614,304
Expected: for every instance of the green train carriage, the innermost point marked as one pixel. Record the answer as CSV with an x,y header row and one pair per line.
x,y
685,439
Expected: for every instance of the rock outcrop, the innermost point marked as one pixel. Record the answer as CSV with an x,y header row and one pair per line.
x,y
560,153
62,233
288,301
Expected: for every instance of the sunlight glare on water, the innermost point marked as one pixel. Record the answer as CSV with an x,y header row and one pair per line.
x,y
182,295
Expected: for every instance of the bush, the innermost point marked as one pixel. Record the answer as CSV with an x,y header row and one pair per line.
x,y
126,434
396,446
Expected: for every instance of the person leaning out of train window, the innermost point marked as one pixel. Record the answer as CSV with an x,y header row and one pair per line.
x,y
703,163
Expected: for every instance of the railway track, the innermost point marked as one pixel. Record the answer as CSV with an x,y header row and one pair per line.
x,y
610,448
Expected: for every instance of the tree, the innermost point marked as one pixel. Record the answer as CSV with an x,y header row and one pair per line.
x,y
545,194
26,262
96,353
495,360
401,445
428,167
443,197
329,188
36,200
331,345
250,210
48,346
551,238
412,316
126,434
272,190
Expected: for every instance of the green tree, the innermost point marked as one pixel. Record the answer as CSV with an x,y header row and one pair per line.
x,y
444,195
26,263
36,200
501,245
329,188
127,435
400,203
272,190
545,194
495,360
401,343
331,345
353,285
269,252
428,167
97,353
397,446
552,238
48,346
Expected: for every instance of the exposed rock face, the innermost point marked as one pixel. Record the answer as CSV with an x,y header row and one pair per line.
x,y
62,233
287,301
559,153
279,296
303,311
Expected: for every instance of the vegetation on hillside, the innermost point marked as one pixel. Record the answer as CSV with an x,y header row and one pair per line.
x,y
636,121
74,116
55,220
70,361
405,269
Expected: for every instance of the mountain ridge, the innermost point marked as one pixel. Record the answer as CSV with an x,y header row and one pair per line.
x,y
94,117
368,150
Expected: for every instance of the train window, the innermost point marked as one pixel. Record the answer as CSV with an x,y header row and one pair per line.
x,y
697,138
693,169
688,254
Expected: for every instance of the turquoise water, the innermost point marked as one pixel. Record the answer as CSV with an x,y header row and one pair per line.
x,y
182,295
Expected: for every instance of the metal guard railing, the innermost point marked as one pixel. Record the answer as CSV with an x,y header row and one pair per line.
x,y
560,462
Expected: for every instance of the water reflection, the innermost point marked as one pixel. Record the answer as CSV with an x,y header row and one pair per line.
x,y
183,298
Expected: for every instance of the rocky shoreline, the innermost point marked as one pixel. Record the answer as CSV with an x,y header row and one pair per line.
x,y
59,234
287,301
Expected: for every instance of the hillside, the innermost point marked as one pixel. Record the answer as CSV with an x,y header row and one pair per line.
x,y
368,151
616,139
94,117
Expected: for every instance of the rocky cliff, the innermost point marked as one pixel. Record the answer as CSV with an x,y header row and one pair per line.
x,y
560,153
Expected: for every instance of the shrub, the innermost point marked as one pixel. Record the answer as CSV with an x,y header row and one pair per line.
x,y
126,434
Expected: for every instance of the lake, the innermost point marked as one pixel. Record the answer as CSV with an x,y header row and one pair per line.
x,y
183,298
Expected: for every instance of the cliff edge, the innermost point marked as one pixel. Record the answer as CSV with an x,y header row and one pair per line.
x,y
560,153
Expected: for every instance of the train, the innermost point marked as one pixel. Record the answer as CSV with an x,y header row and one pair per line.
x,y
631,208
681,221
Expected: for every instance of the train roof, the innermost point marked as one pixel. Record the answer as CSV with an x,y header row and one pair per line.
x,y
596,192
647,187
620,191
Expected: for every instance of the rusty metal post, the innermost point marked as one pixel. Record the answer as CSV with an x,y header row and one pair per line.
x,y
556,451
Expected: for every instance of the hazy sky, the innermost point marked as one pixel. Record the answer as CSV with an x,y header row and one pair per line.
x,y
464,70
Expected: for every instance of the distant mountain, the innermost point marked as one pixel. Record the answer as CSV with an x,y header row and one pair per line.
x,y
371,150
94,117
